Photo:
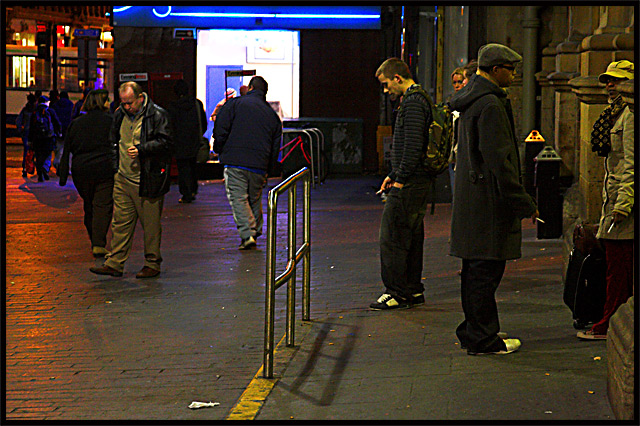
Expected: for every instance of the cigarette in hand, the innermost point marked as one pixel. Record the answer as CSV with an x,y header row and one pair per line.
x,y
540,220
379,192
611,227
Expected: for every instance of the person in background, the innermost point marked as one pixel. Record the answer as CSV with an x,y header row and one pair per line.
x,y
54,96
247,136
63,108
470,69
188,122
22,124
77,107
458,82
43,128
141,137
229,94
489,198
408,186
243,90
613,138
93,166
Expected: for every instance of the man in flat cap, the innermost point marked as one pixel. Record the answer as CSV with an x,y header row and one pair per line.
x,y
490,200
612,138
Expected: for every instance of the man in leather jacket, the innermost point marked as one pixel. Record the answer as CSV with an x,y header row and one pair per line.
x,y
141,137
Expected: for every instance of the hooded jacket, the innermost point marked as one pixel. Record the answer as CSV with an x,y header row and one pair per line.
x,y
247,132
188,124
154,149
489,198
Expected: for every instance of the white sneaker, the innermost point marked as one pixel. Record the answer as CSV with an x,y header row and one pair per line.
x,y
248,244
511,344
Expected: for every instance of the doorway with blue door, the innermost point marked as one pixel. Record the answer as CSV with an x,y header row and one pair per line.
x,y
273,54
216,88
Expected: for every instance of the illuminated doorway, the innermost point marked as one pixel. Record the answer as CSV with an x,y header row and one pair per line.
x,y
274,54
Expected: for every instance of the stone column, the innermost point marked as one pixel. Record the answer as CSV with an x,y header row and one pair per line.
x,y
566,105
593,100
558,26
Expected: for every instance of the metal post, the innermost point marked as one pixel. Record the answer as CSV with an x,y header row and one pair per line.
x,y
306,271
270,287
291,286
54,57
289,276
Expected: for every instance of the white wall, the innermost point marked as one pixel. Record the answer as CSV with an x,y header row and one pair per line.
x,y
229,47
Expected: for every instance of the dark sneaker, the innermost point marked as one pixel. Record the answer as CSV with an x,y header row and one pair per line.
x,y
511,345
417,299
105,270
247,244
387,301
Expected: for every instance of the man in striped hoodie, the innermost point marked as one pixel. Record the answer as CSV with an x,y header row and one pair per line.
x,y
408,186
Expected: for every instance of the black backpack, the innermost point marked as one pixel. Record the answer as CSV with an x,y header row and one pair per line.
x,y
42,125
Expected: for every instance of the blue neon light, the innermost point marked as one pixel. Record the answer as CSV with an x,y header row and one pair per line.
x,y
159,15
263,17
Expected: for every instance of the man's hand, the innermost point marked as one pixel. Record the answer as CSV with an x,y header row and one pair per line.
x,y
535,216
618,217
386,184
132,152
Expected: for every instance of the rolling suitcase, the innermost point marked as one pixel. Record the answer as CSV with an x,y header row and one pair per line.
x,y
585,284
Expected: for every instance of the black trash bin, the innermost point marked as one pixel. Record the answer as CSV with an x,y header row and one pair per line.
x,y
547,172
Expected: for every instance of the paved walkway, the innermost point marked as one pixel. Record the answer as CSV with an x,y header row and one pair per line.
x,y
84,347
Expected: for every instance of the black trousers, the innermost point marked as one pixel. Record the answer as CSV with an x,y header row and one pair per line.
x,y
402,238
480,280
97,195
42,153
187,177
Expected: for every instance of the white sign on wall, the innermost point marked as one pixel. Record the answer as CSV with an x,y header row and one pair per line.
x,y
140,76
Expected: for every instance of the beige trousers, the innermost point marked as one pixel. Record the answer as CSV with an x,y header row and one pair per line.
x,y
128,206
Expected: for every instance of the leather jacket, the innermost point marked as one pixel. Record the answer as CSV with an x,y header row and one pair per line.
x,y
154,149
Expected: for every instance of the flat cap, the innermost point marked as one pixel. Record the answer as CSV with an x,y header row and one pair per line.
x,y
496,54
618,69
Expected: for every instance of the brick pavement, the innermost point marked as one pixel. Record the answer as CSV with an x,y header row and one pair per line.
x,y
84,347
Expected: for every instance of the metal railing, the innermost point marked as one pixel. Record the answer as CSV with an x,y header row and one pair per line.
x,y
316,139
294,256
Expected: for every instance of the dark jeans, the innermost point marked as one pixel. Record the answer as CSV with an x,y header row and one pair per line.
x,y
402,238
97,195
42,156
25,148
480,280
187,177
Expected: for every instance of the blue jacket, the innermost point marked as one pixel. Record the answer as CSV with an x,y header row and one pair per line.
x,y
247,132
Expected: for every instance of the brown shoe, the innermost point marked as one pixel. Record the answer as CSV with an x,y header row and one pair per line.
x,y
105,270
147,272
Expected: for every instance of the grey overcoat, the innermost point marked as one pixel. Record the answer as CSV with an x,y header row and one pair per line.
x,y
489,198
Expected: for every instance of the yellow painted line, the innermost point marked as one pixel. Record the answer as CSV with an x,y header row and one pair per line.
x,y
254,396
256,393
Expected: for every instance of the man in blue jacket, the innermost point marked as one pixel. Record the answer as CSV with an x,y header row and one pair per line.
x,y
247,136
